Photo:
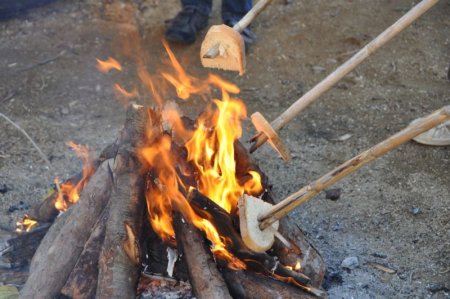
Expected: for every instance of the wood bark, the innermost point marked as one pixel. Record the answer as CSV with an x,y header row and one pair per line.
x,y
120,255
58,254
205,278
58,258
82,281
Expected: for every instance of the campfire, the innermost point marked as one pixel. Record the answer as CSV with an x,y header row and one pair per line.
x,y
157,212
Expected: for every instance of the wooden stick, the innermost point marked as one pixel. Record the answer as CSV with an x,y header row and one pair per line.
x,y
82,281
205,278
281,209
251,15
119,260
344,69
43,156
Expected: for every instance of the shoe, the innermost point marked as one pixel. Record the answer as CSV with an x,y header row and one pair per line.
x,y
439,136
247,35
186,24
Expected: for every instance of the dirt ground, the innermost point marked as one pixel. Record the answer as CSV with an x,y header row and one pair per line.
x,y
395,212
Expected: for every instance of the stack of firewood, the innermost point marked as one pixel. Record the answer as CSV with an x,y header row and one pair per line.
x,y
100,246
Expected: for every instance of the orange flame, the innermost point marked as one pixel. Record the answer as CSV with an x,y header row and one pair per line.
x,y
297,266
25,225
105,66
184,84
128,94
210,151
68,192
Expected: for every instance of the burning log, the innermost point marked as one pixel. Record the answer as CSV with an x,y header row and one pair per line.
x,y
119,260
58,257
312,263
204,276
310,260
82,281
46,211
248,285
258,262
86,235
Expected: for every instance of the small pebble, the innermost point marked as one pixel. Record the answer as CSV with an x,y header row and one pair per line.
x,y
65,111
415,211
12,209
4,189
333,194
350,263
337,227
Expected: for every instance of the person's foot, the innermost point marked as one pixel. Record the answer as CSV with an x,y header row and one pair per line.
x,y
439,136
186,24
247,35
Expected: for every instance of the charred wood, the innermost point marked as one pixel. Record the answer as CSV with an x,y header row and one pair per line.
x,y
311,261
248,285
45,211
16,252
258,262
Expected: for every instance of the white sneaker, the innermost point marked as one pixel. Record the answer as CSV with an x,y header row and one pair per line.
x,y
439,135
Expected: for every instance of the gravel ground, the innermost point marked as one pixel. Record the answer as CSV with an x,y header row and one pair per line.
x,y
394,212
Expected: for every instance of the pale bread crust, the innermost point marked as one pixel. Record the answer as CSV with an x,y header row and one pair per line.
x,y
232,45
254,238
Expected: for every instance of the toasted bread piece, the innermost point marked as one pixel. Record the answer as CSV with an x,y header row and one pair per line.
x,y
256,239
231,49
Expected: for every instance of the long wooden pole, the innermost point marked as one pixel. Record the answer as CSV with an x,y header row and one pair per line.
x,y
251,15
281,209
344,69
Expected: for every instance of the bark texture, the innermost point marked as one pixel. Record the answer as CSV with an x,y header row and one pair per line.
x,y
58,258
205,278
82,281
119,259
